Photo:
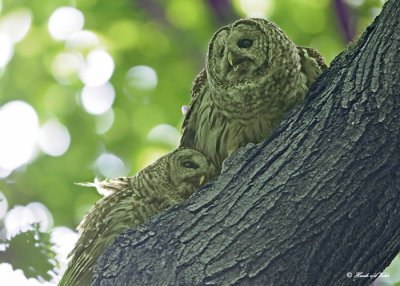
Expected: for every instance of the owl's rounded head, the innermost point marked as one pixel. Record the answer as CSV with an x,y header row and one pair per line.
x,y
244,50
250,65
189,168
238,51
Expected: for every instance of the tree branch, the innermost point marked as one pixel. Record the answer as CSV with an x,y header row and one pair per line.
x,y
318,199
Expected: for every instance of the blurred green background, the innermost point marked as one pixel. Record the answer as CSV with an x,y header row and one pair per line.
x,y
95,88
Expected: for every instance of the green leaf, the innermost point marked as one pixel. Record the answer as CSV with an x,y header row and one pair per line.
x,y
37,258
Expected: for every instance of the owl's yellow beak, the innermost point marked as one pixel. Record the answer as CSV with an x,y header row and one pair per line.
x,y
230,60
202,179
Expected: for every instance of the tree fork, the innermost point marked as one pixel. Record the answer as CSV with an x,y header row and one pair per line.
x,y
317,201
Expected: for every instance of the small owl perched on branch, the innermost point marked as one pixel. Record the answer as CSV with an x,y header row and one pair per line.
x,y
254,74
167,182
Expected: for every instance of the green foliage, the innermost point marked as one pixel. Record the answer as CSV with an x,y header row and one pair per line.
x,y
37,258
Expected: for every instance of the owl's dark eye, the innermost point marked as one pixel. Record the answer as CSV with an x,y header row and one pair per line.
x,y
221,53
245,43
190,165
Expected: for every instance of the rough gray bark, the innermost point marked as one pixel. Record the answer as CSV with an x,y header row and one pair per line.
x,y
318,199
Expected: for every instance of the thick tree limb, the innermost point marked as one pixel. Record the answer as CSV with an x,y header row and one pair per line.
x,y
318,199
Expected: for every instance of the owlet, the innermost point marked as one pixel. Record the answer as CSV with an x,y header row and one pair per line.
x,y
254,73
131,201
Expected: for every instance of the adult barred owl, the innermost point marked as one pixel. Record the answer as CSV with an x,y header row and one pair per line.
x,y
254,73
131,201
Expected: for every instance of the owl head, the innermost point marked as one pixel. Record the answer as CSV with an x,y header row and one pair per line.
x,y
188,169
249,51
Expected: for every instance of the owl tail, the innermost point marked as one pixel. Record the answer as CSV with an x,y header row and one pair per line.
x,y
108,186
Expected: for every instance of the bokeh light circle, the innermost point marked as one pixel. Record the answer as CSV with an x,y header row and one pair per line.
x,y
16,24
41,214
165,134
54,138
104,121
64,239
97,69
257,8
10,276
3,205
99,99
141,77
4,172
82,40
18,128
110,165
18,219
6,50
66,67
64,22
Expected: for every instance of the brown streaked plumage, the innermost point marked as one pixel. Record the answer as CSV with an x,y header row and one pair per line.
x,y
253,75
131,201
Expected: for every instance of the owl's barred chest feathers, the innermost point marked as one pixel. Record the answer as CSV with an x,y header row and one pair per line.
x,y
226,131
226,135
229,118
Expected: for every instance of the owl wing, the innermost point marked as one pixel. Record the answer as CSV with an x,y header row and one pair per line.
x,y
96,234
312,64
189,125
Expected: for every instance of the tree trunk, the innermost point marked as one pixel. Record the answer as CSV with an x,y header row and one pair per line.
x,y
318,201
